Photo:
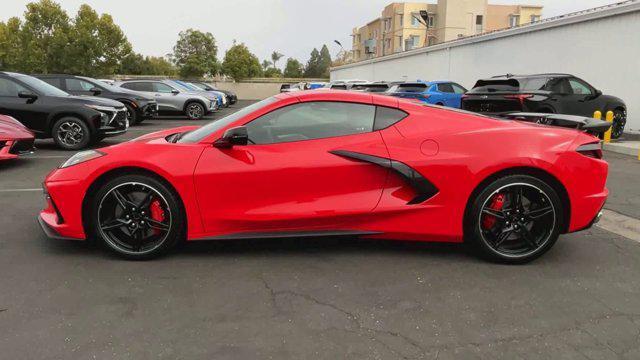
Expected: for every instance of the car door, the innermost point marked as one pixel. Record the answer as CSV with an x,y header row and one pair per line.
x,y
168,98
30,113
295,174
448,94
583,101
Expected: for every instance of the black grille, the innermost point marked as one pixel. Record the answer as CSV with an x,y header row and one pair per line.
x,y
120,116
21,147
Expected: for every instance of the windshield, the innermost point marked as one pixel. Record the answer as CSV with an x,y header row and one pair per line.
x,y
40,86
187,86
180,86
201,133
102,84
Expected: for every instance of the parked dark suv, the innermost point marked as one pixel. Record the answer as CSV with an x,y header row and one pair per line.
x,y
543,93
139,106
73,122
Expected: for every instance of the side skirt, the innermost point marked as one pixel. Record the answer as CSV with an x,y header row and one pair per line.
x,y
288,234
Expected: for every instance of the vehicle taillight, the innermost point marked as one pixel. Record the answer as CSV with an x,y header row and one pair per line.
x,y
592,150
519,97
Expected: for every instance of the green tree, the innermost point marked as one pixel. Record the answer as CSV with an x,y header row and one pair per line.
x,y
45,38
195,53
97,46
11,45
154,65
240,63
265,64
273,73
275,57
293,69
324,62
313,65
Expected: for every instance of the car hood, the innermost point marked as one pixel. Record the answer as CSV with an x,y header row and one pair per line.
x,y
164,133
92,100
11,128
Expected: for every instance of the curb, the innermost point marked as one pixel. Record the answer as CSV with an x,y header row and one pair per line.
x,y
631,148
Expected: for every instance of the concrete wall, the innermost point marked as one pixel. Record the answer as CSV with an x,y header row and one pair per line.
x,y
602,47
251,90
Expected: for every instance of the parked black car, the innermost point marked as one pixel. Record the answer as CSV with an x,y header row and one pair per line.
x,y
139,107
544,93
73,122
231,96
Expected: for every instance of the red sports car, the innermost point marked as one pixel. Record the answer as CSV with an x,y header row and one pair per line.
x,y
15,138
335,163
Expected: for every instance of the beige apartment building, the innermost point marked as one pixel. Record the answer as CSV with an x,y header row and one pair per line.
x,y
399,28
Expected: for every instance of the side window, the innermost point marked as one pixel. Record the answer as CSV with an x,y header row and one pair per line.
x,y
446,88
311,120
53,82
579,88
162,88
386,117
458,89
78,85
10,88
339,87
560,86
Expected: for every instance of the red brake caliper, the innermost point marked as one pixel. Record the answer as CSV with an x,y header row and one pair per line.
x,y
488,221
157,213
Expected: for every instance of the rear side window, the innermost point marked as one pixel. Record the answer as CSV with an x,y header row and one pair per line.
x,y
446,88
534,84
339,87
413,88
386,117
53,81
139,86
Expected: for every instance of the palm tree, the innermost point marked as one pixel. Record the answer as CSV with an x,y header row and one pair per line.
x,y
275,57
265,64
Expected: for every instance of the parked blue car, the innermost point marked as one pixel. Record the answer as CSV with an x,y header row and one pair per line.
x,y
445,93
191,87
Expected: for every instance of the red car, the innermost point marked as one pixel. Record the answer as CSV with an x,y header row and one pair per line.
x,y
335,163
15,138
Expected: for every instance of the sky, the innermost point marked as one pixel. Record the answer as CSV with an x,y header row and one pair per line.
x,y
292,27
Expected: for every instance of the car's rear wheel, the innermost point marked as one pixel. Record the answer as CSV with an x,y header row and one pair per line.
x,y
194,111
136,216
71,133
515,219
619,122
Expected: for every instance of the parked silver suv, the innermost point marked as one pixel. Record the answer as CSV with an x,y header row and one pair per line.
x,y
172,98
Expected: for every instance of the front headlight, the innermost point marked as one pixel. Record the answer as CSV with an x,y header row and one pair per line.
x,y
82,156
102,108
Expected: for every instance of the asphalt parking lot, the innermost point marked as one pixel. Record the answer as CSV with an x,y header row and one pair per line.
x,y
307,299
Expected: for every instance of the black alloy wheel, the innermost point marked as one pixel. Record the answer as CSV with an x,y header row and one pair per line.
x,y
132,116
71,133
137,217
195,111
516,219
619,122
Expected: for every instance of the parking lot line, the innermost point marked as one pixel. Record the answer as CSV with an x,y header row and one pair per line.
x,y
620,224
20,190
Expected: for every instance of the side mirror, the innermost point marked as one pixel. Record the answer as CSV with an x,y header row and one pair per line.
x,y
96,91
597,94
175,92
234,136
27,95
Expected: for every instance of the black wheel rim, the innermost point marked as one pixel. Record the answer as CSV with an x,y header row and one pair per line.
x,y
134,218
619,121
195,111
521,224
70,133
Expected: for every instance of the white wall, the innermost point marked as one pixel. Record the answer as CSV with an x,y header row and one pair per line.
x,y
601,47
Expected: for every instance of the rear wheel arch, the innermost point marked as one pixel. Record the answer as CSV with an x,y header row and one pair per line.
x,y
114,173
57,116
537,173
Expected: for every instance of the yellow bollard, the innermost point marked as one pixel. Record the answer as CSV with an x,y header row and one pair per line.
x,y
597,115
607,135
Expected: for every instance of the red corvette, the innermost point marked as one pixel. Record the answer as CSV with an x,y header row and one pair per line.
x,y
15,138
335,163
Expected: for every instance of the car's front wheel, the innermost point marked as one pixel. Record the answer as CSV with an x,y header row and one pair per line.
x,y
132,116
195,111
71,133
515,219
619,122
136,216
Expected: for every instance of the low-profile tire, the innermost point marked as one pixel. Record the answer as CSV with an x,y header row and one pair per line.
x,y
619,122
132,115
194,110
514,219
71,133
137,217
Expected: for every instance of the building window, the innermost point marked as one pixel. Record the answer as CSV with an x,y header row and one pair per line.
x,y
415,22
412,42
432,40
479,24
514,20
387,24
401,20
387,45
400,43
535,18
431,21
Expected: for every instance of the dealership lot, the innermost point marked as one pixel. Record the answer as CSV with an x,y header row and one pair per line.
x,y
314,298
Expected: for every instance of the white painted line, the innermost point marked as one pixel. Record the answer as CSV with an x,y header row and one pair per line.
x,y
620,225
21,190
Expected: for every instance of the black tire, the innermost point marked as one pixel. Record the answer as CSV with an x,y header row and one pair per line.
x,y
133,233
71,133
526,230
132,115
194,110
619,122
